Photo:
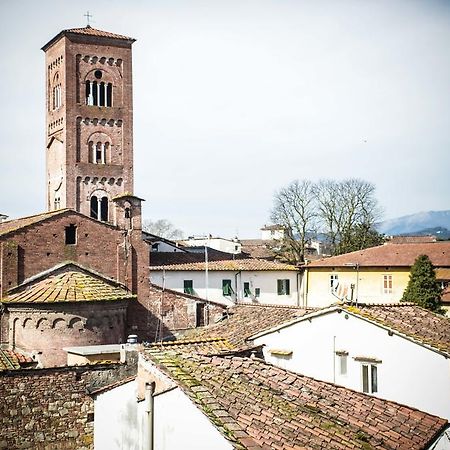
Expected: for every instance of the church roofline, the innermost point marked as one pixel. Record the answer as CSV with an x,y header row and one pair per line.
x,y
15,225
87,31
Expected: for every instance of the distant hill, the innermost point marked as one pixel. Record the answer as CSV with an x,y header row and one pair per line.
x,y
428,222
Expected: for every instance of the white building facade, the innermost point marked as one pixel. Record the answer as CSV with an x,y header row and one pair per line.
x,y
341,347
231,286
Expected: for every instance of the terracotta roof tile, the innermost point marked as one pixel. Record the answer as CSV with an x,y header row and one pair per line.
x,y
188,257
67,283
393,255
244,321
256,405
89,31
231,265
411,320
12,360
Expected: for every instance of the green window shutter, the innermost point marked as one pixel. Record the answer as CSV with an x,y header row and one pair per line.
x,y
287,289
188,287
247,292
226,287
280,287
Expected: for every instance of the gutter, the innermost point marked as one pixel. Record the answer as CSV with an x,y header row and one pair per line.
x,y
150,410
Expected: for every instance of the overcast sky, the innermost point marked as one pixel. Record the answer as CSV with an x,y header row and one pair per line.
x,y
234,99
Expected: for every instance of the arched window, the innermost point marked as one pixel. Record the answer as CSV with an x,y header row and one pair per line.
x,y
94,207
99,92
56,93
99,208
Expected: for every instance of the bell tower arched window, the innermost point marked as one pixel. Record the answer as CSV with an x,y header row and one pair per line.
x,y
98,150
56,93
99,91
99,208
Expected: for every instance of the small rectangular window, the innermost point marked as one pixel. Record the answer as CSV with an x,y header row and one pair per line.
x,y
247,292
71,235
257,292
342,364
227,290
283,287
188,287
387,284
369,378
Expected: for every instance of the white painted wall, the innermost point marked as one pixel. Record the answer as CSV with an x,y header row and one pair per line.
x,y
115,419
265,280
267,235
179,424
164,247
224,245
120,422
409,373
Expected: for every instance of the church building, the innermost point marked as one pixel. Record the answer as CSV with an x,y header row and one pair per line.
x,y
92,229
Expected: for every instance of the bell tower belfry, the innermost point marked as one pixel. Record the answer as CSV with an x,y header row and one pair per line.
x,y
89,126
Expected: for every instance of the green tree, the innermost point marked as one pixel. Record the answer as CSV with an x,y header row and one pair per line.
x,y
423,288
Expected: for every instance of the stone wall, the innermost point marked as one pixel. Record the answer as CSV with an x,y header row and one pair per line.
x,y
48,409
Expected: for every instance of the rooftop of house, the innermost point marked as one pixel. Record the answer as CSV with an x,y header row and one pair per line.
x,y
258,406
406,319
68,282
174,258
248,264
390,255
202,346
244,320
12,360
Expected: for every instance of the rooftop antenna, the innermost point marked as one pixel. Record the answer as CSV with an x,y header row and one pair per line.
x,y
88,17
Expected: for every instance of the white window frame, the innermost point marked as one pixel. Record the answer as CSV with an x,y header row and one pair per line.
x,y
342,363
372,382
387,277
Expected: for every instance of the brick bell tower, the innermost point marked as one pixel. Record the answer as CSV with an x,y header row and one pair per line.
x,y
89,129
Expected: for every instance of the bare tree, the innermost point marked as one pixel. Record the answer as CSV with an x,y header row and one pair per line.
x,y
345,210
162,228
295,209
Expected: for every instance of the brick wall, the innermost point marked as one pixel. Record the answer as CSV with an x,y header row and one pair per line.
x,y
180,312
49,408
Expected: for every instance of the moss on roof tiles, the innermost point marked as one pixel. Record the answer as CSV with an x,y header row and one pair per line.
x,y
272,406
69,285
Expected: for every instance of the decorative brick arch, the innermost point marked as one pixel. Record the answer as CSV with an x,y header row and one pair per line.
x,y
59,324
76,323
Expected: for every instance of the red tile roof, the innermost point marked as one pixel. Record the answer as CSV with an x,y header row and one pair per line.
x,y
12,360
88,31
417,323
68,283
230,265
258,406
407,319
245,320
393,255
